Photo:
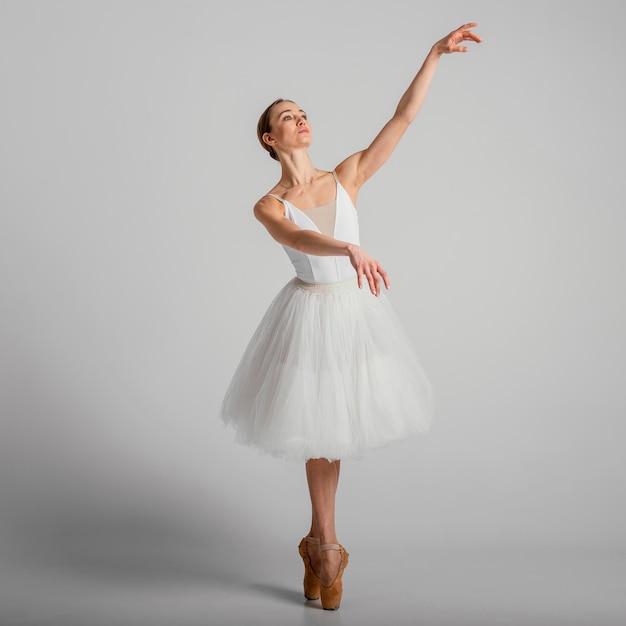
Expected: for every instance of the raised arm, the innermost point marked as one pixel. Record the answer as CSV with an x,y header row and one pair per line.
x,y
356,169
270,213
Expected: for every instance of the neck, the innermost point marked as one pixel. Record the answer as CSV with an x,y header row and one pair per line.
x,y
297,169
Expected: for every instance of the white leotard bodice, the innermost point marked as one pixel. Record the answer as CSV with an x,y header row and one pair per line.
x,y
324,269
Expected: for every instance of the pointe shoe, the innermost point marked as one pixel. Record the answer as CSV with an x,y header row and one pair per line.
x,y
331,595
311,579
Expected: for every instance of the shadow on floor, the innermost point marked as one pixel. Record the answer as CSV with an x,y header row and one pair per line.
x,y
285,594
140,542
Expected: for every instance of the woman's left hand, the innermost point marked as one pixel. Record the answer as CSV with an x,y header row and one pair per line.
x,y
450,43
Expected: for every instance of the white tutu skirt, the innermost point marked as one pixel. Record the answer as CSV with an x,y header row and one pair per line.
x,y
329,373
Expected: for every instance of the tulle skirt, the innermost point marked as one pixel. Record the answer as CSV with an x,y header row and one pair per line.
x,y
329,373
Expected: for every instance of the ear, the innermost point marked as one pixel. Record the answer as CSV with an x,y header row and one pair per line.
x,y
268,139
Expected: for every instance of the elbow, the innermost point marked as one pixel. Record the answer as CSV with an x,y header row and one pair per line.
x,y
405,118
306,241
297,242
291,240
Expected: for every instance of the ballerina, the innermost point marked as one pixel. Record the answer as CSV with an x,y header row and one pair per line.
x,y
329,373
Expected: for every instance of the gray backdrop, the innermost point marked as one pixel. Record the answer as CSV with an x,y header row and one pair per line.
x,y
133,274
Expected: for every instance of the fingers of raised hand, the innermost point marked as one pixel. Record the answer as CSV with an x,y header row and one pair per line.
x,y
462,33
469,35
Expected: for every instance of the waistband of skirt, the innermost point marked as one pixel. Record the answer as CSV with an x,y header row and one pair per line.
x,y
342,286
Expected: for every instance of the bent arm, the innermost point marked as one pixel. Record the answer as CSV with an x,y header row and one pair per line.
x,y
269,212
359,167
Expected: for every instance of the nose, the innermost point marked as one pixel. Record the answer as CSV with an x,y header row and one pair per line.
x,y
301,120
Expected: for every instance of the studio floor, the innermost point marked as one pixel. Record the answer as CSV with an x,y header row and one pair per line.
x,y
395,586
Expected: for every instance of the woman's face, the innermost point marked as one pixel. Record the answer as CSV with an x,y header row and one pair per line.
x,y
290,127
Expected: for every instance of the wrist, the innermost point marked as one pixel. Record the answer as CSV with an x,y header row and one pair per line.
x,y
435,53
350,248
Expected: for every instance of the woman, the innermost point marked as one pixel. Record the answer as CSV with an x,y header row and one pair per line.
x,y
328,374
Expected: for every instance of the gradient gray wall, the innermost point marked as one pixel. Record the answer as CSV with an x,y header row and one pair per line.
x,y
133,274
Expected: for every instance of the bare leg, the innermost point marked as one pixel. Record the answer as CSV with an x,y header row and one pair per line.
x,y
323,477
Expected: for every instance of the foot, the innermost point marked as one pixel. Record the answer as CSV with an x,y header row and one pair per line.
x,y
330,564
313,550
311,581
331,587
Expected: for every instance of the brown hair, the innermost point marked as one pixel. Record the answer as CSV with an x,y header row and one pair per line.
x,y
264,127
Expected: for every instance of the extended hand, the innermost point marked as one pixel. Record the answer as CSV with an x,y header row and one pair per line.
x,y
366,266
450,43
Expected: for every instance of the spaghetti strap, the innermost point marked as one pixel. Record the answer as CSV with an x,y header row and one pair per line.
x,y
335,176
271,195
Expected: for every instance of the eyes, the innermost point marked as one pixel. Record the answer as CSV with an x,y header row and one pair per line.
x,y
288,118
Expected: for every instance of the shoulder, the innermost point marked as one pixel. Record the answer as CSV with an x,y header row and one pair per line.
x,y
268,206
